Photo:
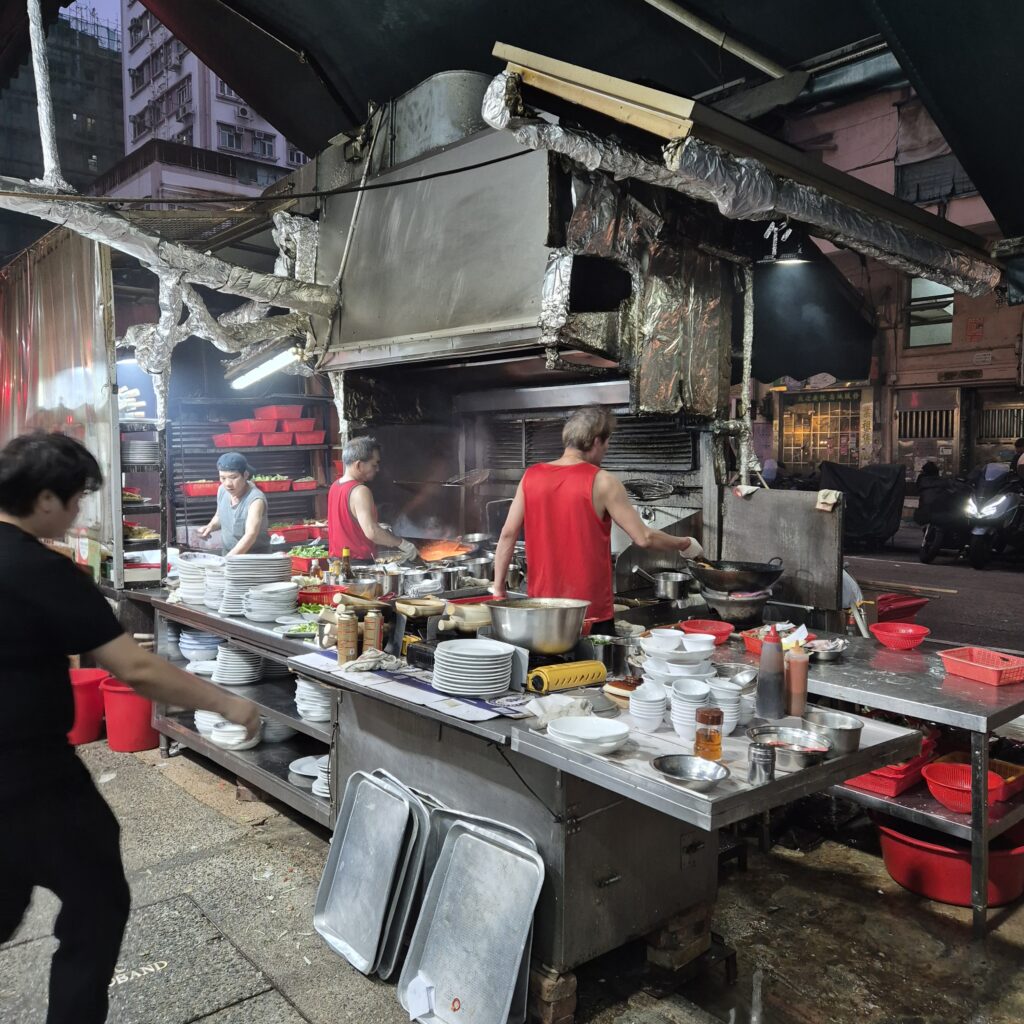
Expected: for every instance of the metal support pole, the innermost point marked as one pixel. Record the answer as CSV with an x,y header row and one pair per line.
x,y
52,177
746,449
979,833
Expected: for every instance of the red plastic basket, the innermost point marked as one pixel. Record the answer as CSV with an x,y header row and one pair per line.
x,y
983,666
317,532
899,636
320,595
303,565
303,485
721,631
292,534
277,439
950,784
252,426
753,643
273,486
278,412
1011,776
893,779
236,440
299,426
310,437
201,488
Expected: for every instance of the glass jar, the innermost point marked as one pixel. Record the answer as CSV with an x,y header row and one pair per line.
x,y
708,741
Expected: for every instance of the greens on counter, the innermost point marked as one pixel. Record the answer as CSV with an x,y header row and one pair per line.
x,y
309,551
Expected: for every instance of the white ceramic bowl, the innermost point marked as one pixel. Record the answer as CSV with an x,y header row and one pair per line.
x,y
691,688
674,636
232,736
649,724
657,646
702,669
698,641
679,656
588,729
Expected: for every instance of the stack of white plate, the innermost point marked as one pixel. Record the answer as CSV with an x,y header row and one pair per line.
x,y
687,696
726,695
647,706
269,601
206,720
472,668
247,571
195,645
192,566
590,734
232,737
275,731
322,782
236,667
276,670
312,700
303,770
213,592
140,453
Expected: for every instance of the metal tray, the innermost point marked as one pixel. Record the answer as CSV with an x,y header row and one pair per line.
x,y
441,820
406,891
473,926
370,842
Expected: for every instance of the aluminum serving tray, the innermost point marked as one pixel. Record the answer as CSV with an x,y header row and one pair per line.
x,y
405,891
473,926
441,821
369,845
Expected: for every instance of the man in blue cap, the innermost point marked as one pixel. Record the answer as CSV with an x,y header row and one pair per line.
x,y
241,509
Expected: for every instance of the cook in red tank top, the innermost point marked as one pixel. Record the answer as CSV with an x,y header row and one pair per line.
x,y
343,529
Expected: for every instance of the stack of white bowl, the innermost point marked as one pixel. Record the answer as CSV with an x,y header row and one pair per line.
x,y
206,720
670,654
726,695
647,706
748,706
275,731
232,737
688,696
213,592
195,645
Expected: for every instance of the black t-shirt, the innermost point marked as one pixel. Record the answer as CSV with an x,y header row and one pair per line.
x,y
49,609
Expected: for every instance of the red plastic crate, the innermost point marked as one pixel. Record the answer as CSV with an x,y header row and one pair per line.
x,y
303,485
317,532
273,486
252,426
320,595
293,534
894,779
310,437
278,412
298,426
303,565
983,666
339,467
236,440
276,439
201,488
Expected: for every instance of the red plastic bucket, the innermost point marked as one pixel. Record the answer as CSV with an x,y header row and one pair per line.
x,y
128,718
85,685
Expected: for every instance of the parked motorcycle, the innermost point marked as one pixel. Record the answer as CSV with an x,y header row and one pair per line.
x,y
942,512
996,514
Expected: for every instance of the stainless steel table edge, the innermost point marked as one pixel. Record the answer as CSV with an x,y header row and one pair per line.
x,y
495,730
713,812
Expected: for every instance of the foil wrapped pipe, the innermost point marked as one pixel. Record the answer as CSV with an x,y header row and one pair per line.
x,y
554,296
52,177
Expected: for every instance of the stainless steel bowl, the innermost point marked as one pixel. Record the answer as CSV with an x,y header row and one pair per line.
x,y
479,568
544,625
691,772
794,748
737,672
843,730
447,576
827,655
477,538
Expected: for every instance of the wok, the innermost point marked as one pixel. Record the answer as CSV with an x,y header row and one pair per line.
x,y
731,577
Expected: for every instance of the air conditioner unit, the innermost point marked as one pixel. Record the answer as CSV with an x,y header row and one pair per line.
x,y
244,114
184,112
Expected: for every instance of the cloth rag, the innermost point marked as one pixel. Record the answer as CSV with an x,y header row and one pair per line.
x,y
827,500
374,661
556,705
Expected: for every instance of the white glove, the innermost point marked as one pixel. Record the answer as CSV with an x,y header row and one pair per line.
x,y
695,550
407,551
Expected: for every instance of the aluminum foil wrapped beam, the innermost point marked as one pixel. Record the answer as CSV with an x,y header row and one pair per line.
x,y
554,296
742,188
110,228
52,177
747,460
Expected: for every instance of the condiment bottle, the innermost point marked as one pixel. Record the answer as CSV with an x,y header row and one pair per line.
x,y
708,741
771,679
373,628
346,565
760,764
348,637
797,662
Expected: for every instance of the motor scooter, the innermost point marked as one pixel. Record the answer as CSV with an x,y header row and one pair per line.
x,y
995,512
942,513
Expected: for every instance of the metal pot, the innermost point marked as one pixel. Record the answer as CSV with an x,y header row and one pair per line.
x,y
479,568
447,576
843,730
612,652
410,577
669,585
544,625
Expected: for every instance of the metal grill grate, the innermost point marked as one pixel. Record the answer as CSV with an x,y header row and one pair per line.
x,y
1005,424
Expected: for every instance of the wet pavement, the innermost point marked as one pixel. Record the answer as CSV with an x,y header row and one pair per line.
x,y
221,932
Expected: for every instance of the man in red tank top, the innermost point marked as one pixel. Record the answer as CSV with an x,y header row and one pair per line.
x,y
351,513
566,508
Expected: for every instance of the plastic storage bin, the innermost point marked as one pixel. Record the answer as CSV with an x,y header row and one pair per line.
x,y
983,666
278,412
276,439
310,437
273,486
304,485
236,440
299,426
252,426
201,488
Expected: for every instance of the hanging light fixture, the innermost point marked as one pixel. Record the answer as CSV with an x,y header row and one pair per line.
x,y
255,365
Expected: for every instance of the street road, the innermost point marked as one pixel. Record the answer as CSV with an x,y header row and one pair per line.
x,y
987,608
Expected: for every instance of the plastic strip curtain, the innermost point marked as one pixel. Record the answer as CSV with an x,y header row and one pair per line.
x,y
54,368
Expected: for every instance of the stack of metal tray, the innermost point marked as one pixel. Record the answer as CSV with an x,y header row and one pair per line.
x,y
471,942
372,876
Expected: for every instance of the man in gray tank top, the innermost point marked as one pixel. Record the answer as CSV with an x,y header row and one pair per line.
x,y
241,509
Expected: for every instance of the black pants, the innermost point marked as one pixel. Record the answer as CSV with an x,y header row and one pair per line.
x,y
66,839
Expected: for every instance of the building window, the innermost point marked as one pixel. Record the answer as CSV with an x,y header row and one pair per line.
x,y
930,314
139,76
140,125
184,137
183,94
296,157
820,426
225,92
228,137
264,145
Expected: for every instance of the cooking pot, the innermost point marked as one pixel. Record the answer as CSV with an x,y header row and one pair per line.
x,y
410,577
669,585
544,625
447,575
479,568
612,652
729,577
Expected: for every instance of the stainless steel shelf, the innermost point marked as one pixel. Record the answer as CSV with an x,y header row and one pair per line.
x,y
919,806
138,426
265,766
140,510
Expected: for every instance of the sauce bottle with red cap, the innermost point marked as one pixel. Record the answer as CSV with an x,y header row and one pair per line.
x,y
771,679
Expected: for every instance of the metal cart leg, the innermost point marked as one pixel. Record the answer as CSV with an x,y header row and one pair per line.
x,y
979,833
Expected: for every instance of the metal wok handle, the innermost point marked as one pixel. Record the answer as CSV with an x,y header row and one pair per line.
x,y
772,561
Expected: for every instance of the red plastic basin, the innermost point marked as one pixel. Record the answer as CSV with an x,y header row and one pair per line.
x,y
85,685
128,718
721,631
899,636
939,867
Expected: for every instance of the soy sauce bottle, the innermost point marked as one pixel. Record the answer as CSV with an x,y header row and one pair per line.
x,y
771,679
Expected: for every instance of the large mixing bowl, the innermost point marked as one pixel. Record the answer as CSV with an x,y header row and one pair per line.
x,y
544,625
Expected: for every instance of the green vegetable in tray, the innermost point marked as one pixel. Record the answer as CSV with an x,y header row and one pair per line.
x,y
308,551
270,476
311,609
306,629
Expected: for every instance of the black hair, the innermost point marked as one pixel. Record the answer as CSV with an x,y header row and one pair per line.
x,y
930,469
1019,443
39,462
